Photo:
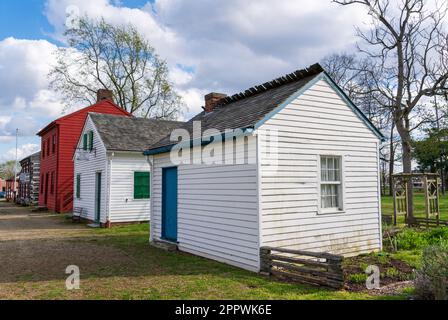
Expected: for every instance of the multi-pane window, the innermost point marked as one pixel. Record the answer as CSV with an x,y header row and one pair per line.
x,y
331,182
142,185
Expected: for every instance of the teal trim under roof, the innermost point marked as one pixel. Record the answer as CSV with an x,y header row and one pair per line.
x,y
203,142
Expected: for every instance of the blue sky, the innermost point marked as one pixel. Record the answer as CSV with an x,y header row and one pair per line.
x,y
210,45
25,19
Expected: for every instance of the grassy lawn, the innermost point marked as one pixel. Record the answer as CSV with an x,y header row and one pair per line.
x,y
387,205
119,263
135,270
157,274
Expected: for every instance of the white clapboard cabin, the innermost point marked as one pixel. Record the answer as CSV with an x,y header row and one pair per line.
x,y
300,172
112,176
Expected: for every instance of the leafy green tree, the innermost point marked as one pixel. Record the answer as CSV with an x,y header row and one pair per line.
x,y
431,153
7,170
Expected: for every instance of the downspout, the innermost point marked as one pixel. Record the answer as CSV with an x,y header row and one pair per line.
x,y
109,186
150,161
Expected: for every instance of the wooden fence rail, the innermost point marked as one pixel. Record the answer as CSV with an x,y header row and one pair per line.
x,y
428,223
321,269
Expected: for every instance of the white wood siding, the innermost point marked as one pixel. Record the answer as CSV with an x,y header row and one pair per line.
x,y
97,162
123,207
217,209
319,123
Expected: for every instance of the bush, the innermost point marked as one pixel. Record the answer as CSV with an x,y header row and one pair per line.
x,y
410,239
431,282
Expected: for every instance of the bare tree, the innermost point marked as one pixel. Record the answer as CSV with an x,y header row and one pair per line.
x,y
118,58
344,69
408,49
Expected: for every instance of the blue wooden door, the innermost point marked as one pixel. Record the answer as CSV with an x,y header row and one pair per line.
x,y
169,204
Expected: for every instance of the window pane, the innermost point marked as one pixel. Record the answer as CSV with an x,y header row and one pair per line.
x,y
331,169
330,196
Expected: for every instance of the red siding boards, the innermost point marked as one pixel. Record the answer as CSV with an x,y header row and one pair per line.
x,y
65,133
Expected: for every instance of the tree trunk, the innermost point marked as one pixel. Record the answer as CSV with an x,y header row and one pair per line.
x,y
407,168
406,145
391,159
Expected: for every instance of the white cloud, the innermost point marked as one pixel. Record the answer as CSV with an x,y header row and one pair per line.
x,y
25,101
22,152
210,45
230,44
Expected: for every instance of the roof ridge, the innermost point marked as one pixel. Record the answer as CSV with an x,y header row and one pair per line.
x,y
288,78
132,118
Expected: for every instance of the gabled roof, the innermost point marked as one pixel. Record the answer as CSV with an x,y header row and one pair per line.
x,y
121,133
34,155
251,108
87,109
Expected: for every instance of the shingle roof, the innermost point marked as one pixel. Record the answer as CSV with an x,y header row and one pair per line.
x,y
250,108
121,133
245,109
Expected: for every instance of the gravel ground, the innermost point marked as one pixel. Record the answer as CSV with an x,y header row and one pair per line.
x,y
39,247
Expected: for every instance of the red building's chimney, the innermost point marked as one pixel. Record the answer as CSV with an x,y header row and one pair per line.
x,y
212,100
104,94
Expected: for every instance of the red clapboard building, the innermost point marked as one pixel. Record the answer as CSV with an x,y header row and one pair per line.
x,y
58,143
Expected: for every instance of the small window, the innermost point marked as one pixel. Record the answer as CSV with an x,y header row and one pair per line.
x,y
331,183
43,149
142,185
84,142
54,144
78,186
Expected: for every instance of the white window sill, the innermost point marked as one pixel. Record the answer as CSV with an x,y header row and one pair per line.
x,y
330,211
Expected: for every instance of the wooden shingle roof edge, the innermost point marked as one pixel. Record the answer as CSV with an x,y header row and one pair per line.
x,y
315,69
291,86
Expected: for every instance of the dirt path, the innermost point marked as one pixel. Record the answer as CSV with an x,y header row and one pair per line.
x,y
19,223
38,247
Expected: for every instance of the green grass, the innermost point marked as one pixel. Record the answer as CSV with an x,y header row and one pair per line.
x,y
189,277
157,274
387,205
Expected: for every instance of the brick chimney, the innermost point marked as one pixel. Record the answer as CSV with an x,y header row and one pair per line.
x,y
212,99
104,94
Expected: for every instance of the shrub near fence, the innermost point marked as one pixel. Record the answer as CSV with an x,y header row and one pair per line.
x,y
321,269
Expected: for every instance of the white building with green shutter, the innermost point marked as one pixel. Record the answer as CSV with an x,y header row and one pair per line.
x,y
112,176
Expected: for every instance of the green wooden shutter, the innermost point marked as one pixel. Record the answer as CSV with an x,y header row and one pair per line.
x,y
78,186
142,185
84,142
91,140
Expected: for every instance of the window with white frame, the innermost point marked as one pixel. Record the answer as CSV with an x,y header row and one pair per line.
x,y
331,183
